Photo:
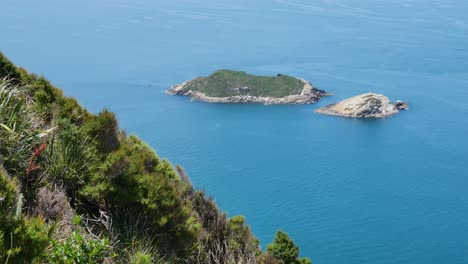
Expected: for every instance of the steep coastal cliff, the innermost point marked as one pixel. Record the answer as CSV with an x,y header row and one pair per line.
x,y
74,188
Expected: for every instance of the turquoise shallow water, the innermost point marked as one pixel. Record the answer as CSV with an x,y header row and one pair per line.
x,y
348,191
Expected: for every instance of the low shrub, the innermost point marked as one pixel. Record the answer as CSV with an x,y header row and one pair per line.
x,y
78,249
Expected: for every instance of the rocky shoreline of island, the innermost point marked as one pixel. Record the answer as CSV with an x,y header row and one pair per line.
x,y
308,95
368,105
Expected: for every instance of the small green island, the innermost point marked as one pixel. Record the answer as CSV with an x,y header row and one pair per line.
x,y
228,86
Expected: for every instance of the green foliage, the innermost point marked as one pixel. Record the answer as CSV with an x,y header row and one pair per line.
x,y
70,156
45,97
103,128
23,240
21,138
8,191
78,249
221,240
71,110
15,128
241,238
223,83
8,69
284,250
77,219
304,261
144,253
140,258
133,177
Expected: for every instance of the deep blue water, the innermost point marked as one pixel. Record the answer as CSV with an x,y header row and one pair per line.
x,y
347,191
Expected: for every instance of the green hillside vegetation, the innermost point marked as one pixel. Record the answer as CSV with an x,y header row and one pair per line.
x,y
224,83
74,188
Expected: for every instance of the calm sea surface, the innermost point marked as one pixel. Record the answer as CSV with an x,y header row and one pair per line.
x,y
347,191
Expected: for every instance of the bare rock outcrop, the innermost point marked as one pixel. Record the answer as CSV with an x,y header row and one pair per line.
x,y
364,105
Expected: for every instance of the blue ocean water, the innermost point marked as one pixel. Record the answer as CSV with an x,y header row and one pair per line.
x,y
347,191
